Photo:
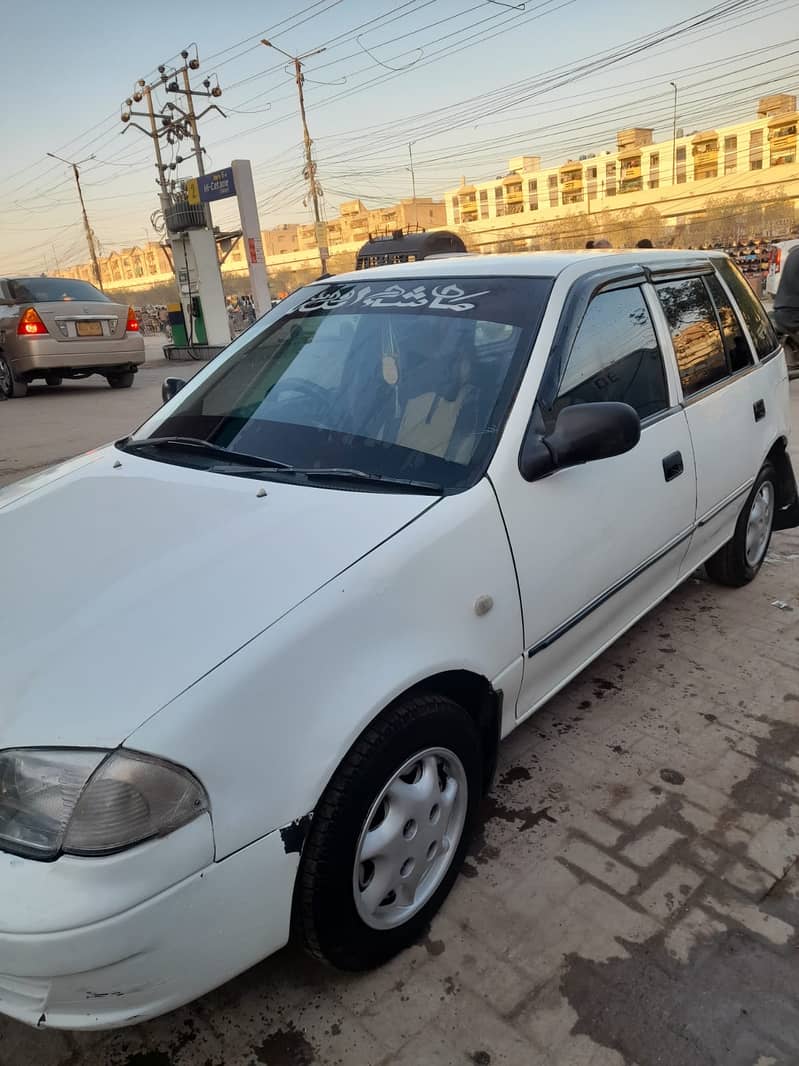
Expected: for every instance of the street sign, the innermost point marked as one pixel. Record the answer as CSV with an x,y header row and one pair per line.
x,y
216,186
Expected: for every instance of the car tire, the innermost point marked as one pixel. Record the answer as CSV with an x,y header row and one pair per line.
x,y
739,560
121,381
54,380
11,387
415,778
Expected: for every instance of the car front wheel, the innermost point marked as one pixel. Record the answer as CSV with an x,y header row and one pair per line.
x,y
739,560
389,835
11,387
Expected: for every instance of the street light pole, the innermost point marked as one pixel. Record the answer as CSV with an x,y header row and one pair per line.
x,y
310,166
86,227
413,176
674,137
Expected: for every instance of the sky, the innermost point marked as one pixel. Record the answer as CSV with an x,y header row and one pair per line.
x,y
468,83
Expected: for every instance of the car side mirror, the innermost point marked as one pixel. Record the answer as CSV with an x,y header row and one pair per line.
x,y
171,387
583,433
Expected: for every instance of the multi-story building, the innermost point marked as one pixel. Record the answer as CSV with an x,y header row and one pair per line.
x,y
280,240
287,248
676,176
355,222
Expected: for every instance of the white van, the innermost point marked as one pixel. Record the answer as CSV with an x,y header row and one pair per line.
x,y
307,598
777,256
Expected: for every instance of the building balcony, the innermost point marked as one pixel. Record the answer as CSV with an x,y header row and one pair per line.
x,y
782,142
705,169
571,185
632,184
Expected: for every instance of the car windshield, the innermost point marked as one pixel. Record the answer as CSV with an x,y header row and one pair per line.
x,y
53,290
399,380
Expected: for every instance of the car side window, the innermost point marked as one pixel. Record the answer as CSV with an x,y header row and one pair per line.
x,y
739,354
754,315
698,344
615,356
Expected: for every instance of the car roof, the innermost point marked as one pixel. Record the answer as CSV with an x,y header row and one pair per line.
x,y
529,264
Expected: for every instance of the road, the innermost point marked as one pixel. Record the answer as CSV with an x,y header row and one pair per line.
x,y
632,897
78,416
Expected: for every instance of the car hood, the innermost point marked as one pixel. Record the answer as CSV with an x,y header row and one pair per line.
x,y
125,584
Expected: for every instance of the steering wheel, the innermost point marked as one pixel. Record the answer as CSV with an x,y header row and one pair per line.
x,y
309,390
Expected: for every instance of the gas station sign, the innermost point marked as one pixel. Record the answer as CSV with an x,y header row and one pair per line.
x,y
216,186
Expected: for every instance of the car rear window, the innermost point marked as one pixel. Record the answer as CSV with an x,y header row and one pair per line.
x,y
754,314
53,290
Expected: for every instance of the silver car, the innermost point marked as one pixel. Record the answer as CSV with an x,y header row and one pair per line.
x,y
56,328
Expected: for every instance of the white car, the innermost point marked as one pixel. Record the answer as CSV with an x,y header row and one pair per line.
x,y
259,685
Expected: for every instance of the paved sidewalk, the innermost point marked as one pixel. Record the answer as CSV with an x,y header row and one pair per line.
x,y
633,897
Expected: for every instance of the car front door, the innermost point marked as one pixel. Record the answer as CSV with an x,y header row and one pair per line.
x,y
596,545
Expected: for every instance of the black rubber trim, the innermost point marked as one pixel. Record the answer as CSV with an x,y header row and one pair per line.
x,y
603,598
725,503
667,412
718,385
770,356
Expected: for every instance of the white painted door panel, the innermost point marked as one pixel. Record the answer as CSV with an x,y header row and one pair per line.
x,y
584,532
727,450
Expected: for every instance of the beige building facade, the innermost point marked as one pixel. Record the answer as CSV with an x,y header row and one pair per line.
x,y
677,177
288,248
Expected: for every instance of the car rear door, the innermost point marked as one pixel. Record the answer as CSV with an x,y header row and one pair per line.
x,y
726,394
596,545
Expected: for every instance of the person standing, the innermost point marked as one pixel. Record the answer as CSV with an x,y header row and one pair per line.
x,y
786,301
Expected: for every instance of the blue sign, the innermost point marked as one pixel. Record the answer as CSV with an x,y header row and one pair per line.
x,y
216,186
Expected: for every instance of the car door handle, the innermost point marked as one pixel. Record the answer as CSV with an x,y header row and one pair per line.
x,y
759,408
673,466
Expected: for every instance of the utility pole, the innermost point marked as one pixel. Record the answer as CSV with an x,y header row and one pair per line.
x,y
194,253
86,227
413,184
673,84
191,118
310,166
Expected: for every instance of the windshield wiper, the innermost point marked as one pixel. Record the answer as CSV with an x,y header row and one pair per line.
x,y
205,447
231,458
345,474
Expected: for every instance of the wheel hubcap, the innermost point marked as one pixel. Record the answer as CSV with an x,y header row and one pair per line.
x,y
409,838
5,377
758,528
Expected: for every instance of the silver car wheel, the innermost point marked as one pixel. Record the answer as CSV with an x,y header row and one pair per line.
x,y
409,838
6,380
758,527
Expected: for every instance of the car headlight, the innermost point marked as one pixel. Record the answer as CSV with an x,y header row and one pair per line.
x,y
90,802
